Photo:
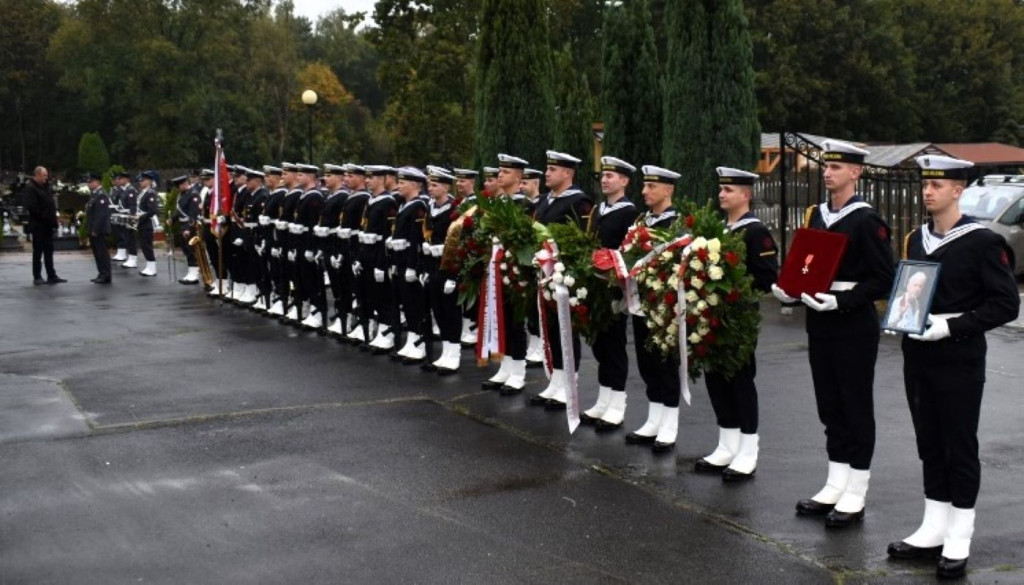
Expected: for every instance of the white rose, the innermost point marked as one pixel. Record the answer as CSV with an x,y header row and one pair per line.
x,y
523,283
657,319
673,329
667,254
693,338
691,297
714,257
713,300
702,331
573,301
673,281
701,305
569,281
627,247
547,296
696,264
716,273
505,280
656,285
693,310
696,283
715,246
559,267
698,243
557,278
504,266
581,293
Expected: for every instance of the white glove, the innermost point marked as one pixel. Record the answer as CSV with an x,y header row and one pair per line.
x,y
291,255
425,247
319,254
618,306
336,262
237,242
275,252
938,328
410,275
378,275
449,287
260,247
387,243
391,271
820,301
357,268
308,255
781,295
424,279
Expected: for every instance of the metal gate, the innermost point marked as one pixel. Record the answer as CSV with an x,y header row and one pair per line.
x,y
797,182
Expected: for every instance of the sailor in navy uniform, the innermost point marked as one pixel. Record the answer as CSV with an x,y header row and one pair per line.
x,y
310,277
843,334
373,265
565,202
944,367
441,281
120,238
735,399
266,246
611,221
208,177
511,375
349,228
189,209
530,186
235,258
130,206
149,208
406,248
327,238
291,243
97,223
252,250
660,374
465,190
490,184
279,265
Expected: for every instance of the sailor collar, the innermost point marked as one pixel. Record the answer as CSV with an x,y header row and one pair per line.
x,y
650,219
435,210
747,219
833,217
412,201
571,191
305,193
384,196
933,243
605,209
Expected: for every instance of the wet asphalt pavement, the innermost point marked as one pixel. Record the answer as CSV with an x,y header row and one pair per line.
x,y
149,434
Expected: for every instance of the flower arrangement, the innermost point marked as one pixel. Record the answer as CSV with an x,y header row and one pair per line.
x,y
470,255
590,297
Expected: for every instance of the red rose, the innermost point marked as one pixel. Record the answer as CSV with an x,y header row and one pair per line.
x,y
691,320
714,323
652,297
603,259
468,223
700,350
646,247
663,276
703,254
710,337
733,296
690,221
670,298
732,258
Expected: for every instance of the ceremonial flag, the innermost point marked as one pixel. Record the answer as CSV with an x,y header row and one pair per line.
x,y
221,184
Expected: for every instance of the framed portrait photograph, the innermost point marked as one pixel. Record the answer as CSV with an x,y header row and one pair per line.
x,y
911,297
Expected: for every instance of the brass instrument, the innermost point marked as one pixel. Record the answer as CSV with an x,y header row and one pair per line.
x,y
199,248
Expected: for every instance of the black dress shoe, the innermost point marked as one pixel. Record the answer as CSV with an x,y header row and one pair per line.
x,y
55,280
408,361
837,519
813,508
659,447
102,280
538,400
38,282
635,439
702,466
446,372
554,405
902,550
732,475
951,569
587,419
364,346
509,390
428,367
603,426
489,385
379,350
393,355
531,364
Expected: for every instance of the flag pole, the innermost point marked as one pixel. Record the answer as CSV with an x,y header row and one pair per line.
x,y
215,219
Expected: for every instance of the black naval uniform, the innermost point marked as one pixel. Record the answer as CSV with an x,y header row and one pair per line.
x,y
310,277
944,379
659,373
611,223
149,207
120,240
445,307
735,399
210,238
843,344
350,226
189,211
377,297
289,257
515,331
130,203
236,257
256,265
97,222
330,246
408,235
272,241
572,205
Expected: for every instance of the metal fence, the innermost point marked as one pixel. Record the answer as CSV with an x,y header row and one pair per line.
x,y
797,182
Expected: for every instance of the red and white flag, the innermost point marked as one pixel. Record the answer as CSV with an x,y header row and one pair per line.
x,y
221,185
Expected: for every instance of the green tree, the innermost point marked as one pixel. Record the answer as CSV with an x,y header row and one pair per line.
x,y
514,97
574,116
92,153
631,94
709,110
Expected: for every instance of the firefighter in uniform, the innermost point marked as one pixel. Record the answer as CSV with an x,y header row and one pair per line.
x,y
944,367
735,399
610,221
843,334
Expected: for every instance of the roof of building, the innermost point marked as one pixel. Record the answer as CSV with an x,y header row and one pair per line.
x,y
985,153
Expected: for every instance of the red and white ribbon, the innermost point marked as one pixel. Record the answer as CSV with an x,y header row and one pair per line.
x,y
572,393
490,338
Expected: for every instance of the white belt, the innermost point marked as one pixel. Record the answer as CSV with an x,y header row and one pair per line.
x,y
365,238
321,231
297,228
344,233
399,245
842,285
436,250
264,219
250,224
948,315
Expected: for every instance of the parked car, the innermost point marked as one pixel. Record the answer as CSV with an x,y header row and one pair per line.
x,y
997,201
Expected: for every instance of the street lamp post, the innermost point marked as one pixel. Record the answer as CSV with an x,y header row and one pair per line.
x,y
309,98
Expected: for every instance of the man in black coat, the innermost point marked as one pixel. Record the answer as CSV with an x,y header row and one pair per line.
x,y
42,221
97,222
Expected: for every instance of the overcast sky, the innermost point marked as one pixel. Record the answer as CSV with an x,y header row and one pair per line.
x,y
312,9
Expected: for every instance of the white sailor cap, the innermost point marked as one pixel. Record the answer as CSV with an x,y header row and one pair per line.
x,y
254,174
839,151
532,174
207,174
289,167
560,159
440,175
379,170
330,169
617,165
308,169
465,173
411,174
354,169
937,166
490,172
653,174
175,181
507,161
271,170
731,176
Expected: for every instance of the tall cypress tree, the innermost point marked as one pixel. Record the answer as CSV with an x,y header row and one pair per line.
x,y
631,87
710,110
574,115
514,95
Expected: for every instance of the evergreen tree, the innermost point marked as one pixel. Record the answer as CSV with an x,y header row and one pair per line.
x,y
631,88
574,116
92,153
514,97
710,110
